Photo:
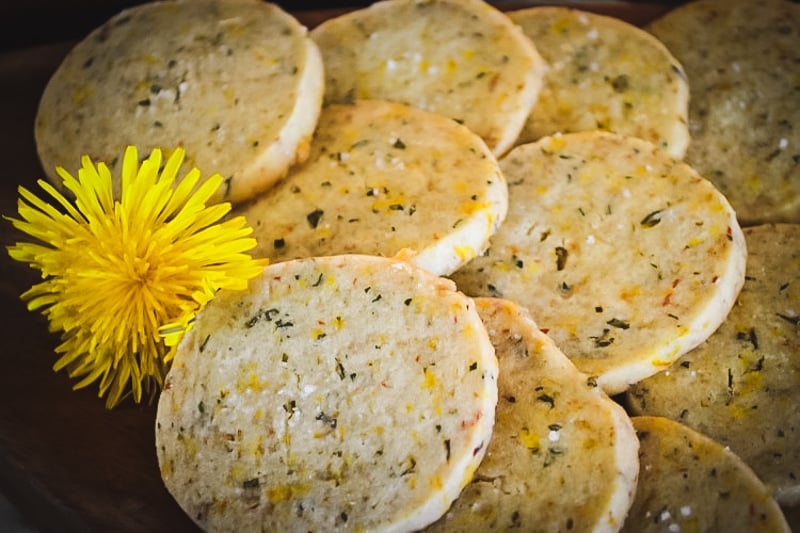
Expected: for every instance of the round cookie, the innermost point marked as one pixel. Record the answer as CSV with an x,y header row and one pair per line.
x,y
625,256
740,386
741,57
688,482
563,455
604,73
350,392
237,83
385,179
461,58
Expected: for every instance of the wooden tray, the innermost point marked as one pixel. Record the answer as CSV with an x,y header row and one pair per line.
x,y
66,462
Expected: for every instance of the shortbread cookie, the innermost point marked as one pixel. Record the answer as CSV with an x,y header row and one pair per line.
x,y
625,256
460,58
741,57
563,455
740,387
689,482
605,74
351,392
385,179
237,83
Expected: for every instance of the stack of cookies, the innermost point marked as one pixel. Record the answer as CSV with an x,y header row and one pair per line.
x,y
534,269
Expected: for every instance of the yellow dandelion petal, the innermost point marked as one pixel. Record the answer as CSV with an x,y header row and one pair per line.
x,y
173,165
130,165
123,278
45,208
93,195
185,190
70,184
90,372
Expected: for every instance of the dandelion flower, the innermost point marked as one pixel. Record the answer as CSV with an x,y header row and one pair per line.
x,y
124,277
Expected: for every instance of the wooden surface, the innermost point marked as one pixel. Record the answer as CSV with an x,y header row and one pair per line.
x,y
66,462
